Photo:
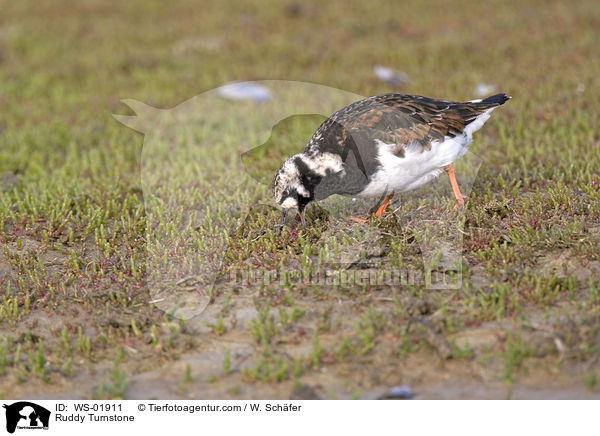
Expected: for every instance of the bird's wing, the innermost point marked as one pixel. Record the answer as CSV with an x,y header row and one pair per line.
x,y
399,119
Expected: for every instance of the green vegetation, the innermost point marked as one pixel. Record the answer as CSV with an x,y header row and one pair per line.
x,y
82,269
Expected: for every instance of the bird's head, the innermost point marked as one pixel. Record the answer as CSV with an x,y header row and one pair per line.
x,y
290,190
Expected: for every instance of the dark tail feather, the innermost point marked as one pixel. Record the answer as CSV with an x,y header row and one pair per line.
x,y
496,100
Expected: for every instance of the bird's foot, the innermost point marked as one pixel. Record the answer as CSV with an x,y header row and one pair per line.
x,y
460,203
384,205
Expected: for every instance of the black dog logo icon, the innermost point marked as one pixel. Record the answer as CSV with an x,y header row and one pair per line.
x,y
26,415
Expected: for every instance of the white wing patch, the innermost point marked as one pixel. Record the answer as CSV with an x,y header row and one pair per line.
x,y
385,146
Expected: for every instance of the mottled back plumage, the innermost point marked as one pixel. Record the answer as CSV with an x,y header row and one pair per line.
x,y
386,143
399,118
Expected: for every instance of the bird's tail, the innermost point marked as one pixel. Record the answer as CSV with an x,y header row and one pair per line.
x,y
495,100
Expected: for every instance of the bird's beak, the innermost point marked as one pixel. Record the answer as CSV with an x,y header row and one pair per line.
x,y
283,215
302,220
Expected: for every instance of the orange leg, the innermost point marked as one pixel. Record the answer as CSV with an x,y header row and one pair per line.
x,y
381,209
460,200
384,205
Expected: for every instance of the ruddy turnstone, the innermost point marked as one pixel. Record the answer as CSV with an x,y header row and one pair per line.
x,y
381,146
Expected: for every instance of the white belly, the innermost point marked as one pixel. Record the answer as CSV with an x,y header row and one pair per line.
x,y
417,168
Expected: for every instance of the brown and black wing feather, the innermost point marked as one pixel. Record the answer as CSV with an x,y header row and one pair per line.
x,y
393,119
399,119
